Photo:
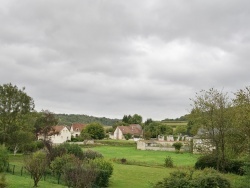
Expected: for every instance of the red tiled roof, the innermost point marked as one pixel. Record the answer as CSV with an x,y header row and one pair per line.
x,y
133,129
78,126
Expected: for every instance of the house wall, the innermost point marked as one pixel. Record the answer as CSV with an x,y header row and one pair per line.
x,y
118,134
62,137
159,146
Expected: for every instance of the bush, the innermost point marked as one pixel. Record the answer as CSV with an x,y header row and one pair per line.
x,y
4,157
177,146
177,179
206,179
210,178
235,166
58,164
79,175
3,182
210,161
206,161
105,170
169,162
90,154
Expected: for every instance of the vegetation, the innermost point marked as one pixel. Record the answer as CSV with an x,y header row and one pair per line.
x,y
177,146
169,162
68,119
95,130
14,105
206,179
36,164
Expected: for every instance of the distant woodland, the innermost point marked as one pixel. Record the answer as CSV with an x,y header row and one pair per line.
x,y
68,119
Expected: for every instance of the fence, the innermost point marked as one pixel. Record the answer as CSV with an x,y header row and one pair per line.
x,y
21,171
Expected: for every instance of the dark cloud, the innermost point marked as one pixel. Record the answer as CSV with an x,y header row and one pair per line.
x,y
110,58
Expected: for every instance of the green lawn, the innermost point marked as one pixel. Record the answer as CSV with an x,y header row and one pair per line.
x,y
124,176
25,182
150,157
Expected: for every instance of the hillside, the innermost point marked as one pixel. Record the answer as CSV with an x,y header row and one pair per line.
x,y
68,119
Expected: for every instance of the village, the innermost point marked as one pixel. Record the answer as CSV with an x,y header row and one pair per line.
x,y
196,144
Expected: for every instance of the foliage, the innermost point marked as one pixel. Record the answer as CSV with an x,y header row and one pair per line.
x,y
181,129
44,124
128,136
36,165
95,130
3,182
59,162
68,119
177,146
66,148
79,174
176,179
169,162
206,179
14,104
105,170
135,119
212,110
90,154
4,157
153,129
210,161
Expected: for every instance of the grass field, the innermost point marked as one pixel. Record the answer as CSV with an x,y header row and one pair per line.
x,y
124,176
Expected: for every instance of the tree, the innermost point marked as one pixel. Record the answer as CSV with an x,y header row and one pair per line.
x,y
36,165
211,109
44,124
135,119
181,129
95,130
241,120
14,103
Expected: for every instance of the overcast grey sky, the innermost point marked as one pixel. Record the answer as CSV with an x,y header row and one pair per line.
x,y
115,57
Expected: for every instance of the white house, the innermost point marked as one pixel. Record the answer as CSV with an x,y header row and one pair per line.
x,y
135,130
58,135
76,129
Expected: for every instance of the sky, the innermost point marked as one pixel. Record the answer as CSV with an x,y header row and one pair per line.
x,y
110,58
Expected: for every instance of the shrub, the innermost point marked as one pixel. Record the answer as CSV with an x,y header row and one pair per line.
x,y
169,162
123,160
177,146
36,165
206,161
206,179
128,136
4,157
105,170
210,178
176,179
79,175
90,154
58,164
235,166
210,161
3,182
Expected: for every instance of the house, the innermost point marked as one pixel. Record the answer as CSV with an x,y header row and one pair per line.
x,y
76,129
202,143
135,130
59,134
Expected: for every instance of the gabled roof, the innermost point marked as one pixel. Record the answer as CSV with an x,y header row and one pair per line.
x,y
133,129
56,129
78,126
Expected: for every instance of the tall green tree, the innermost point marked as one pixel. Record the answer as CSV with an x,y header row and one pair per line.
x,y
95,130
14,104
211,109
45,122
241,121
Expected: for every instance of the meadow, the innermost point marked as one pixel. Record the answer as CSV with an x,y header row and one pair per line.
x,y
146,167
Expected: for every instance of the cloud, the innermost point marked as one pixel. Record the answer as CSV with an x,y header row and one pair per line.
x,y
110,58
